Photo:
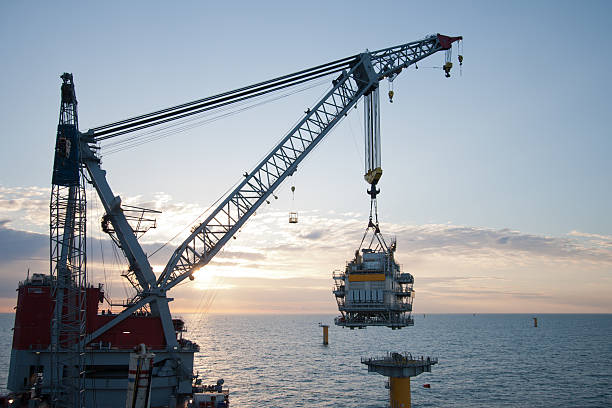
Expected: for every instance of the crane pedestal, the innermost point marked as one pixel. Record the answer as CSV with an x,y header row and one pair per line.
x,y
399,368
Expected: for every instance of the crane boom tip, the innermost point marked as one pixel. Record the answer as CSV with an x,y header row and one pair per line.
x,y
446,41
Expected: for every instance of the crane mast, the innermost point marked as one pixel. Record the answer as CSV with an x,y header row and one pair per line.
x,y
68,260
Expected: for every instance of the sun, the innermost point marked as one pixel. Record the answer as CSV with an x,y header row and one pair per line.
x,y
210,277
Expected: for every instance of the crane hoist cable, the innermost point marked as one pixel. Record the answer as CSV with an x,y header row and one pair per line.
x,y
460,56
447,63
373,169
374,226
293,215
210,207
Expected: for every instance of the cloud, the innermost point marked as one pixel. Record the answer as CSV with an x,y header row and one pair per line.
x,y
481,292
20,251
604,241
28,206
454,279
314,235
474,241
253,256
21,245
575,233
455,267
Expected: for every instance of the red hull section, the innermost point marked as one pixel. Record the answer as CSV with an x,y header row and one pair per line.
x,y
35,310
132,331
33,317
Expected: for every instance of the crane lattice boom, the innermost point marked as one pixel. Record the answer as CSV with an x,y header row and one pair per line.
x,y
358,75
366,71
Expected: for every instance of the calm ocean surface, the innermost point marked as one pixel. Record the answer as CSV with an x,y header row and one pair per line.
x,y
485,360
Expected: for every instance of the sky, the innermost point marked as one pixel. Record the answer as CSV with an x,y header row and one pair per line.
x,y
496,181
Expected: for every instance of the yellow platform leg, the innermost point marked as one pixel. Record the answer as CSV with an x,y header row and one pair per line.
x,y
325,335
399,393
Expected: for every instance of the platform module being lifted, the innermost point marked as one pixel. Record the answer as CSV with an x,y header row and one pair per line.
x,y
372,291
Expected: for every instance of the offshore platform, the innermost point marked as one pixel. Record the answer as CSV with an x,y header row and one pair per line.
x,y
74,347
399,368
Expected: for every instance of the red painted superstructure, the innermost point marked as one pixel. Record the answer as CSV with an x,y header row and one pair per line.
x,y
35,310
33,317
132,331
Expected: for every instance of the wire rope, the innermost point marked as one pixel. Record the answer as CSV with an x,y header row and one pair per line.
x,y
199,101
195,220
191,113
193,122
177,112
222,196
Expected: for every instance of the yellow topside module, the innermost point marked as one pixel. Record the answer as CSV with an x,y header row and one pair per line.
x,y
366,277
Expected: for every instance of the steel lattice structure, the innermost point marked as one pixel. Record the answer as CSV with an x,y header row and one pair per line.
x,y
207,239
366,71
77,153
359,75
68,219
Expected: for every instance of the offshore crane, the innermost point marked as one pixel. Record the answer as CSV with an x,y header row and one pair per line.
x,y
82,359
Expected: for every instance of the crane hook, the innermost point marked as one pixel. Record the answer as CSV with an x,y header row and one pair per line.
x,y
391,79
447,67
447,63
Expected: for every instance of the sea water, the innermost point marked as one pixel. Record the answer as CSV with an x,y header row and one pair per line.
x,y
485,360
